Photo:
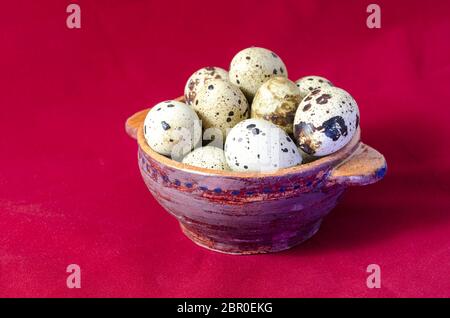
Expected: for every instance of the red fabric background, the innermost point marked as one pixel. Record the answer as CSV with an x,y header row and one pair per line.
x,y
70,190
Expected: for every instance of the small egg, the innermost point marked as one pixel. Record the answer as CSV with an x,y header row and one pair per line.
x,y
258,145
220,105
326,121
277,101
172,128
199,78
207,157
307,84
252,67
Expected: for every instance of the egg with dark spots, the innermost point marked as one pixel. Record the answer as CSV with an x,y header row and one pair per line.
x,y
220,105
257,145
277,101
208,157
172,128
199,79
252,67
307,84
325,121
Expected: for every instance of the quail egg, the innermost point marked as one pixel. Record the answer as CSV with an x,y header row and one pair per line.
x,y
326,121
252,67
277,101
258,145
307,84
207,157
220,105
172,128
199,78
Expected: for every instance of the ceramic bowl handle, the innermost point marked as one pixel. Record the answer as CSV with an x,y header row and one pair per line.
x,y
364,166
134,122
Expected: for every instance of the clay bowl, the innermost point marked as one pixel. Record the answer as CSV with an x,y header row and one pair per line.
x,y
249,213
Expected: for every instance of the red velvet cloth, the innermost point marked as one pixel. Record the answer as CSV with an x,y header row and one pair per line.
x,y
70,190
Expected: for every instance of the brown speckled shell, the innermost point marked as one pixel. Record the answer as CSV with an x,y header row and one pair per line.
x,y
248,213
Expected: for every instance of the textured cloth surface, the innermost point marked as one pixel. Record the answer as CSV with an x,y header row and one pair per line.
x,y
71,192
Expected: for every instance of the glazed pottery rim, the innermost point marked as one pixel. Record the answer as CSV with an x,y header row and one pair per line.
x,y
330,160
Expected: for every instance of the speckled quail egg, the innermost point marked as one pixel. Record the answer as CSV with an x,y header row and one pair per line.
x,y
199,78
172,128
258,145
307,84
207,157
252,67
326,121
277,101
220,105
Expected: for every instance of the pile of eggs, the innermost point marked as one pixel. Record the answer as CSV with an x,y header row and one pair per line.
x,y
252,118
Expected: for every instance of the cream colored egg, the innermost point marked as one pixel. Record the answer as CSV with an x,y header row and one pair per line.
x,y
199,78
172,128
207,157
309,83
252,67
258,145
220,105
277,101
326,121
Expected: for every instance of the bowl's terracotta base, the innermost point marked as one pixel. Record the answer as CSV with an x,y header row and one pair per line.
x,y
236,247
